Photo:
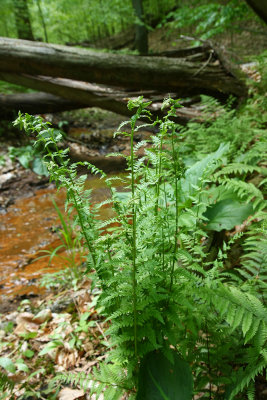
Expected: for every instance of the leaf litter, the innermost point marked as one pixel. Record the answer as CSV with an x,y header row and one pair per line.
x,y
40,342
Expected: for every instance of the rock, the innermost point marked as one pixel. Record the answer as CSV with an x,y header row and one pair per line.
x,y
62,305
5,178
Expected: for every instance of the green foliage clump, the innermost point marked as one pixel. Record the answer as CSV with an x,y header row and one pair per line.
x,y
6,386
209,18
169,289
29,157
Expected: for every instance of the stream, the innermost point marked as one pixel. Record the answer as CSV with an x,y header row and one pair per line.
x,y
26,230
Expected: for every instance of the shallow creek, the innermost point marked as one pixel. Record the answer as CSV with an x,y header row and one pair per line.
x,y
26,229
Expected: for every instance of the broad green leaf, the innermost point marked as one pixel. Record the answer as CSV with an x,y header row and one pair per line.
x,y
226,214
159,379
50,346
28,335
28,353
7,364
22,367
25,160
39,167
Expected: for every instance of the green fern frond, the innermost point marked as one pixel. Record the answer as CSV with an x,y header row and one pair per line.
x,y
6,385
108,381
246,377
237,168
244,190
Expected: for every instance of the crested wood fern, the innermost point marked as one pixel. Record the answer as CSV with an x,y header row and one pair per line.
x,y
162,288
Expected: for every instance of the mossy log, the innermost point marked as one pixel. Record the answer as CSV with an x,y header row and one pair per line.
x,y
180,75
34,103
65,94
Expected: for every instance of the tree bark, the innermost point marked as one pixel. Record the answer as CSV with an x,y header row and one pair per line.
x,y
34,103
22,18
66,95
259,7
77,92
42,20
178,75
141,35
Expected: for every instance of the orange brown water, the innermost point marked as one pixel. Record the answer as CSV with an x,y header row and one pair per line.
x,y
25,230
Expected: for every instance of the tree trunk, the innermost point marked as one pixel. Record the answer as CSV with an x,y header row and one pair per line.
x,y
141,35
178,75
22,18
259,7
42,20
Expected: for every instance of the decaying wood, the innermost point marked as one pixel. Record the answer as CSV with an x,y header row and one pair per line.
x,y
68,93
201,51
34,103
178,75
42,103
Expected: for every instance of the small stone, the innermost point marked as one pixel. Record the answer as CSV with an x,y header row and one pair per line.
x,y
5,178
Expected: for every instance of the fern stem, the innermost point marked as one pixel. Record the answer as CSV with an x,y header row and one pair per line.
x,y
209,369
89,246
176,211
134,237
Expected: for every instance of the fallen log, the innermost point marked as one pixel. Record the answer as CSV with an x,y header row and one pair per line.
x,y
185,78
65,94
34,103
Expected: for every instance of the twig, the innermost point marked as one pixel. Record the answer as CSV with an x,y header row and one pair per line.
x,y
205,63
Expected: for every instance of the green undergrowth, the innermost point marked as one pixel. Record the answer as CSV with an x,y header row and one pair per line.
x,y
209,19
181,267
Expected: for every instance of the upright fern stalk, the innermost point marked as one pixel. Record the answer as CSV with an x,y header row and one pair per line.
x,y
140,109
133,122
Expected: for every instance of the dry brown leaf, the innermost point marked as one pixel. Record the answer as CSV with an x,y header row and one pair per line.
x,y
67,358
43,316
25,323
24,317
71,394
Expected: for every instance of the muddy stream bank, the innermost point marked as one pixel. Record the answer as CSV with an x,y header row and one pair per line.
x,y
27,228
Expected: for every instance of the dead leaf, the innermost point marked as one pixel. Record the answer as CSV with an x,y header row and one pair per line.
x,y
71,394
25,323
43,316
67,358
24,317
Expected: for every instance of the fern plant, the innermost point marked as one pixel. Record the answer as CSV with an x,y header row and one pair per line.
x,y
165,296
6,387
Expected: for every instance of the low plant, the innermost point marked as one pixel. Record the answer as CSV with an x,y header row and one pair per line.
x,y
73,255
28,157
166,289
6,386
